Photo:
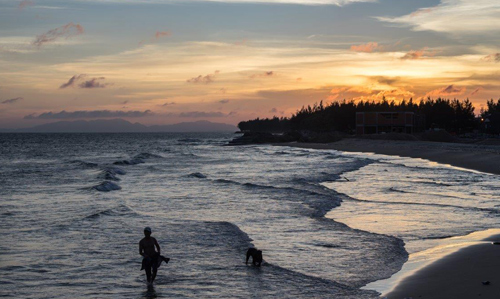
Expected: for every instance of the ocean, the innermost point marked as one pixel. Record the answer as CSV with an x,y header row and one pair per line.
x,y
73,208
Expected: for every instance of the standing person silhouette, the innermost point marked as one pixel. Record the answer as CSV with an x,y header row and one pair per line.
x,y
152,258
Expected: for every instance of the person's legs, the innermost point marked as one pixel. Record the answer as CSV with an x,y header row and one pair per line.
x,y
154,265
154,275
147,268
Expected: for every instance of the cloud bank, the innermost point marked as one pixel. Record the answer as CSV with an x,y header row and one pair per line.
x,y
88,114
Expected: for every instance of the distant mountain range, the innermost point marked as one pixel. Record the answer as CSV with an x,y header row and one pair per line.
x,y
123,126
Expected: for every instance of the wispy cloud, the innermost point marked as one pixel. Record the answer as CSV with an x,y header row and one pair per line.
x,y
454,16
417,54
476,91
76,80
224,101
82,114
158,35
11,101
25,3
371,47
66,31
168,104
263,75
450,90
203,79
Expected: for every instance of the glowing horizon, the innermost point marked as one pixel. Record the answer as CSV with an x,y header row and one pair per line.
x,y
228,61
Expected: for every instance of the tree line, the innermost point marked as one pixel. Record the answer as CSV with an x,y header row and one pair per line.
x,y
456,116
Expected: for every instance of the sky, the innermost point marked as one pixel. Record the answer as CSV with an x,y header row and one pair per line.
x,y
171,61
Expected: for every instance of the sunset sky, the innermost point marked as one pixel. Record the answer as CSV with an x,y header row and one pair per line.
x,y
168,61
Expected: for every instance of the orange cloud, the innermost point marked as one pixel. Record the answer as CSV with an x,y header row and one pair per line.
x,y
366,48
65,31
413,55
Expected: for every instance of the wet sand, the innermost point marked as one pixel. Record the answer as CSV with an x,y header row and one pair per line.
x,y
484,158
458,275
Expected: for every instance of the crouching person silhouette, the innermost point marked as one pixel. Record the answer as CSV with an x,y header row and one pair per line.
x,y
152,258
256,256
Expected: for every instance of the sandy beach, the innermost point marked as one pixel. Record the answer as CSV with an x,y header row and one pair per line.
x,y
484,158
459,275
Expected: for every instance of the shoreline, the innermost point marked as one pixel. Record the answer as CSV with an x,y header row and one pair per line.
x,y
483,158
453,267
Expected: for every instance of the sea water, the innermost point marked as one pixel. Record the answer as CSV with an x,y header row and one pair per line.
x,y
73,207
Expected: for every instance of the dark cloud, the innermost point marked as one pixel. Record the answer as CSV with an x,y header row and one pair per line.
x,y
273,110
477,90
125,102
263,75
76,80
26,3
65,31
224,101
385,80
203,79
450,90
11,101
94,83
72,81
493,57
168,104
200,114
89,114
